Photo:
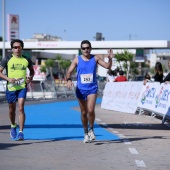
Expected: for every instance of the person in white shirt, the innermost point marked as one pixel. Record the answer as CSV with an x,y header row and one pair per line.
x,y
111,75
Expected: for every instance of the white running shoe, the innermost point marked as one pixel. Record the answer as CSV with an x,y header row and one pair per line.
x,y
91,135
86,138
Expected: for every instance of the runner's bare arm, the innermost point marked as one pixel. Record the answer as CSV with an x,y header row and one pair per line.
x,y
104,64
69,72
30,78
11,80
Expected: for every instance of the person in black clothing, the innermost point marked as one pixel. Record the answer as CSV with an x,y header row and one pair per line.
x,y
158,77
167,78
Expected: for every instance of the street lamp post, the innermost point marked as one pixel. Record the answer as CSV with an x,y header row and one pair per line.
x,y
3,28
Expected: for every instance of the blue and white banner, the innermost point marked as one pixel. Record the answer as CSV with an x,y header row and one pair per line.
x,y
128,96
155,97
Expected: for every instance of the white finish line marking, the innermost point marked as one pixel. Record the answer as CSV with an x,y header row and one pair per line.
x,y
104,124
133,151
110,129
135,124
115,131
140,163
127,142
98,120
121,135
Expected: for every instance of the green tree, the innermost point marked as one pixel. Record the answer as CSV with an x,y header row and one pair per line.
x,y
63,64
49,63
59,59
127,58
43,69
134,69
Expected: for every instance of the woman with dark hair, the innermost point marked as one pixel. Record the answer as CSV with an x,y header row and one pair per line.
x,y
167,78
158,77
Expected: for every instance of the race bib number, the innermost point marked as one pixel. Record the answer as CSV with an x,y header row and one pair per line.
x,y
18,82
86,78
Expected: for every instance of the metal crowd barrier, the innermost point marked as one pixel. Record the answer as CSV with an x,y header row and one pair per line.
x,y
2,91
101,86
48,89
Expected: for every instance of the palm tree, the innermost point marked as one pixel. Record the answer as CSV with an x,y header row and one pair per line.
x,y
1,49
59,59
126,57
50,64
63,64
43,69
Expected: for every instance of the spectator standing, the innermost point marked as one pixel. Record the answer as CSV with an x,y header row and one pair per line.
x,y
121,77
167,78
158,77
111,75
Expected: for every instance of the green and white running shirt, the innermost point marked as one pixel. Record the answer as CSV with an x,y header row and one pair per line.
x,y
16,68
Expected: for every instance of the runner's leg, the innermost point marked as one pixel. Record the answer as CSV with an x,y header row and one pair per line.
x,y
91,102
83,108
21,102
12,109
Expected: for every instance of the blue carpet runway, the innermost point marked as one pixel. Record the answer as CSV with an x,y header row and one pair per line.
x,y
58,121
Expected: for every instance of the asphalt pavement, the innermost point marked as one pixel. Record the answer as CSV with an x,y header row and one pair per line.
x,y
124,141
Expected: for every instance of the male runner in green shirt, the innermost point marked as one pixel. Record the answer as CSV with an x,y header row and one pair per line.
x,y
16,68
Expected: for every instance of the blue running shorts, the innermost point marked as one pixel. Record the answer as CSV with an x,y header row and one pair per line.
x,y
12,96
82,94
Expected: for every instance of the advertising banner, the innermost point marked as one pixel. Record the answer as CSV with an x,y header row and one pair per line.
x,y
121,96
155,97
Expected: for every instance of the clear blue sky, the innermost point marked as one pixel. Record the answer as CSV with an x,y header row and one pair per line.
x,y
75,20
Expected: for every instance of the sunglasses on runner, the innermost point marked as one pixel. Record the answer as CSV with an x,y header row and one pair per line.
x,y
16,47
85,48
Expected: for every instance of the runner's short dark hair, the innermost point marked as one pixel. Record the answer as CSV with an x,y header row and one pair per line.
x,y
19,41
85,42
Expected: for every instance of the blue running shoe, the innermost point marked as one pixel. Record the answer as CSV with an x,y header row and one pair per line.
x,y
20,136
13,132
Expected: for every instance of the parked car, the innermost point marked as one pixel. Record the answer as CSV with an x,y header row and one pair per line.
x,y
138,78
